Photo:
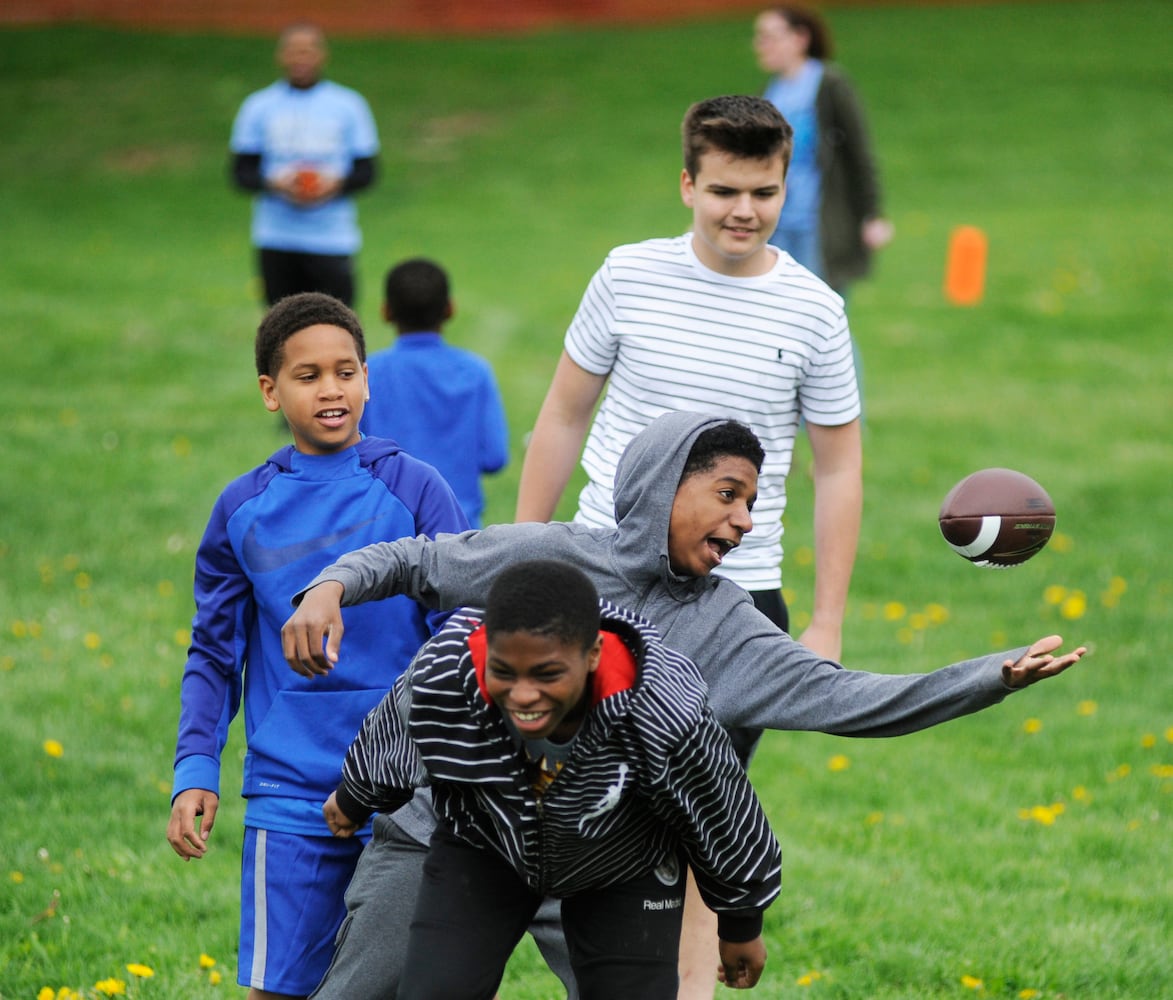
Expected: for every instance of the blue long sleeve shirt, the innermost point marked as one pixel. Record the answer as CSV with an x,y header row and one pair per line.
x,y
270,530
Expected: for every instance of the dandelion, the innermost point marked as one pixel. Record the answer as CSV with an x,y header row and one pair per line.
x,y
53,748
1032,726
805,556
1169,735
141,971
1081,794
808,978
1054,594
839,762
181,446
110,987
1148,741
894,611
874,818
214,977
206,961
83,581
1061,542
46,993
937,614
20,630
16,878
1028,994
972,983
1074,605
182,637
1122,771
166,588
1086,708
92,641
1161,770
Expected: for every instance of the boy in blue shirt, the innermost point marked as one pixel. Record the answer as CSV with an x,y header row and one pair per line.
x,y
440,402
328,491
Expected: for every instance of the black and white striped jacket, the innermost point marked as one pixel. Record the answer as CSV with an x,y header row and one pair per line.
x,y
650,771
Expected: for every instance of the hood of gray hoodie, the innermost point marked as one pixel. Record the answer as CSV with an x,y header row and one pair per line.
x,y
645,488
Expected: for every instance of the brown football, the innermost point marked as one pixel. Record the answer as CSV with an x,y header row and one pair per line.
x,y
997,517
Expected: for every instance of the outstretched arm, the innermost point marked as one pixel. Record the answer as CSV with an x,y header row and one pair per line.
x,y
310,638
557,439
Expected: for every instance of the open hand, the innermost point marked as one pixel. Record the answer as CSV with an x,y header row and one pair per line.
x,y
1038,663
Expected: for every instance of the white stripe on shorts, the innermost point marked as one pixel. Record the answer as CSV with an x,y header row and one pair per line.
x,y
260,916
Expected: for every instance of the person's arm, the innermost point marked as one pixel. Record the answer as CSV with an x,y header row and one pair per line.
x,y
210,692
838,476
557,439
246,171
363,172
493,443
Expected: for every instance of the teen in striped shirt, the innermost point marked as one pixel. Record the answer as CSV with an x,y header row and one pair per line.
x,y
570,754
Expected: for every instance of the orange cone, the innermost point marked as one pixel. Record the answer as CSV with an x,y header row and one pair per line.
x,y
965,266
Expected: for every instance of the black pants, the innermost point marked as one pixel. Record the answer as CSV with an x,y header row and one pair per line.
x,y
472,910
287,273
771,604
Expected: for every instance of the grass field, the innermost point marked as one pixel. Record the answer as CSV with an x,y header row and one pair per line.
x,y
1020,853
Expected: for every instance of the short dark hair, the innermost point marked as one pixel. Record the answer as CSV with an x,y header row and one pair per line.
x,y
810,21
729,438
416,295
750,128
546,597
295,313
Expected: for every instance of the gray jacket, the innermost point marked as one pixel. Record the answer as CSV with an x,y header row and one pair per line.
x,y
758,676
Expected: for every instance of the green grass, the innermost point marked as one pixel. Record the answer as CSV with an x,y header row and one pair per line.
x,y
127,310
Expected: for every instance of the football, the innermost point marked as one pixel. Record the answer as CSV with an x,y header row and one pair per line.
x,y
997,517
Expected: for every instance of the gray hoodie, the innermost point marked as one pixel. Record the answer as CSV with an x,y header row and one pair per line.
x,y
758,676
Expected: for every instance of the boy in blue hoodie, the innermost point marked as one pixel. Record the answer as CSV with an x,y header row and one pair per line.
x,y
328,491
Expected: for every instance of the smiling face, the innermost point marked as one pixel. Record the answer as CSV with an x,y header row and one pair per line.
x,y
320,387
710,514
539,682
735,205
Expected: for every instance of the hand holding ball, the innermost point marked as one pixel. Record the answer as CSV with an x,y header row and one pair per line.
x,y
997,517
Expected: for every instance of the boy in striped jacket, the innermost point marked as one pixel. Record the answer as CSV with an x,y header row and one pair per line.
x,y
572,755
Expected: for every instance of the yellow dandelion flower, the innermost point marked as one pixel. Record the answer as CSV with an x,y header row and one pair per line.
x,y
1028,994
20,630
1161,770
1055,594
206,961
53,748
918,621
1043,814
7,662
92,641
938,614
839,762
1086,707
110,987
808,978
46,993
1032,726
894,611
1169,735
1062,542
1148,741
214,977
139,970
83,580
1081,794
166,588
874,818
1122,771
972,983
1074,605
16,878
182,637
805,556
181,446
1117,586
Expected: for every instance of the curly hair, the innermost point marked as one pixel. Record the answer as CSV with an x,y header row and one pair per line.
x,y
546,597
295,313
730,438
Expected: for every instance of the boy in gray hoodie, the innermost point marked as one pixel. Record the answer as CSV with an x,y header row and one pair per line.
x,y
684,490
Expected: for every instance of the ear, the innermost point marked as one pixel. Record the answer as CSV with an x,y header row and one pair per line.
x,y
386,311
594,654
366,383
449,311
687,188
269,393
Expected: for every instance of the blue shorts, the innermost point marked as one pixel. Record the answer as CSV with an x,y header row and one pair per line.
x,y
292,892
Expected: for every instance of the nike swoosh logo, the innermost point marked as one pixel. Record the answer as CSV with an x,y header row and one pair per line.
x,y
262,559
